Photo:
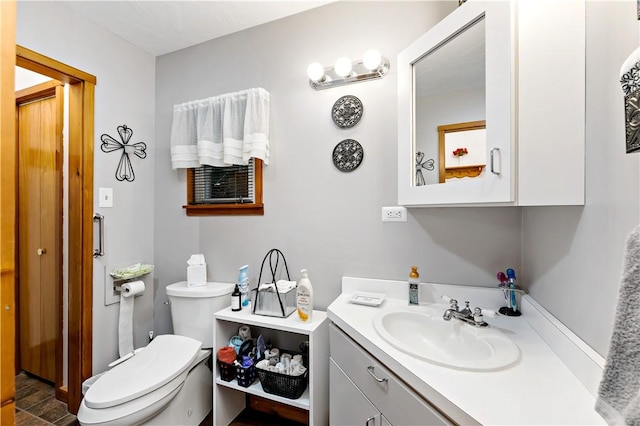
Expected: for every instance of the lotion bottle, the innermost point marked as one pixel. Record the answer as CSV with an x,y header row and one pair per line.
x,y
414,284
304,298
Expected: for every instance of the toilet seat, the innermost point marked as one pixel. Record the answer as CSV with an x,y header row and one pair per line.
x,y
166,358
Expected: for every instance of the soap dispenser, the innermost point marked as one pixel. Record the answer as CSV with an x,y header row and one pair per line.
x,y
414,281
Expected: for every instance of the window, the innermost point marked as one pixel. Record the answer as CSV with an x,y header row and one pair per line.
x,y
233,190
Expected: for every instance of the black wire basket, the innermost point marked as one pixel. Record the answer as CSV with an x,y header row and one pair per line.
x,y
284,385
245,376
227,371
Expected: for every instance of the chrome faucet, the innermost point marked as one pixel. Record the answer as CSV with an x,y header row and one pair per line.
x,y
475,317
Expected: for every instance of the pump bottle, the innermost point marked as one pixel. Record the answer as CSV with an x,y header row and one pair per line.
x,y
304,298
414,281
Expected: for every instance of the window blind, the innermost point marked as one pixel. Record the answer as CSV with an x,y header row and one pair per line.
x,y
224,185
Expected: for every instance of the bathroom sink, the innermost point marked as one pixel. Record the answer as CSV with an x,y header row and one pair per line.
x,y
421,332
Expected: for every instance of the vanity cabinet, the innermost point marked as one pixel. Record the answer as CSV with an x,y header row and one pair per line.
x,y
365,392
519,67
229,398
349,406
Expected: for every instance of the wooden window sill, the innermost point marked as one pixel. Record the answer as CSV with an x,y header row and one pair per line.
x,y
224,210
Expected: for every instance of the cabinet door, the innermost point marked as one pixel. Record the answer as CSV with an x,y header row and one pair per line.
x,y
399,403
456,141
347,405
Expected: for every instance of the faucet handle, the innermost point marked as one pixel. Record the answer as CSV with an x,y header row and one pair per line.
x,y
452,302
489,313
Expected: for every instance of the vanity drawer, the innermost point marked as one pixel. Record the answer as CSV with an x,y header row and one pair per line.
x,y
398,403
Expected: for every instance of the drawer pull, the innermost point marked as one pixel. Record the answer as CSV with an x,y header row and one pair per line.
x,y
378,379
369,421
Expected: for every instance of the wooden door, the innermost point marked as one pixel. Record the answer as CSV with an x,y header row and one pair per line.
x,y
39,129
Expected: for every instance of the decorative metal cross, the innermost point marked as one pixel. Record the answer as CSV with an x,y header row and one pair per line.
x,y
421,163
124,171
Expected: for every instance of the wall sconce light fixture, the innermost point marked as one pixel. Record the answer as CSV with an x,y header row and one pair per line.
x,y
373,65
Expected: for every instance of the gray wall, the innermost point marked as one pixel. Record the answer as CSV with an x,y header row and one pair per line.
x,y
323,220
573,255
124,95
569,258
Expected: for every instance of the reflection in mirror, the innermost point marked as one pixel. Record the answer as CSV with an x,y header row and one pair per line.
x,y
462,148
449,87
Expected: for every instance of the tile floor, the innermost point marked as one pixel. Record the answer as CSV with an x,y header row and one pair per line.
x,y
36,404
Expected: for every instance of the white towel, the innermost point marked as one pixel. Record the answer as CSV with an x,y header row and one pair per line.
x,y
283,286
221,130
619,393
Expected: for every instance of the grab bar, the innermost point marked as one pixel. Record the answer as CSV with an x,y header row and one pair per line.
x,y
97,217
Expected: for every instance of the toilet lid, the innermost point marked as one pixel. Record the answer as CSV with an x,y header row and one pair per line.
x,y
166,357
212,289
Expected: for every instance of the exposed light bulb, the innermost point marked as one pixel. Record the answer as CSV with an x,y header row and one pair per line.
x,y
315,71
372,59
343,67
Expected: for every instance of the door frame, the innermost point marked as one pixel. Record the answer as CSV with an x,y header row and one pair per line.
x,y
7,210
80,212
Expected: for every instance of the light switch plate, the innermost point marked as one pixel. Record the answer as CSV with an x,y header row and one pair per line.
x,y
105,197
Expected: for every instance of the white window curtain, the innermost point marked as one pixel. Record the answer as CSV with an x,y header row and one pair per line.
x,y
222,130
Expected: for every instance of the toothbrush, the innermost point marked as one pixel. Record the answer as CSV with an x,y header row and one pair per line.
x,y
511,274
503,283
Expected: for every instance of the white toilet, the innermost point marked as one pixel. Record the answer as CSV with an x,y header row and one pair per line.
x,y
168,382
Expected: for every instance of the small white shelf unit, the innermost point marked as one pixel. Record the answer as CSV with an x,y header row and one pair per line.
x,y
229,398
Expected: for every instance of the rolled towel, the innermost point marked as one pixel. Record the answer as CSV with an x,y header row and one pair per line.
x,y
236,342
267,287
227,354
280,368
274,353
284,285
298,358
298,370
263,364
244,332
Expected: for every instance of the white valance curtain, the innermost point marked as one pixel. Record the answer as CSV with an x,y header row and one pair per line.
x,y
221,130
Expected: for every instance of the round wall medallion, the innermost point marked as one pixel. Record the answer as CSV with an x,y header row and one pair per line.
x,y
347,155
347,111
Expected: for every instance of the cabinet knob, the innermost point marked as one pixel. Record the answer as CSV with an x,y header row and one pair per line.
x,y
41,251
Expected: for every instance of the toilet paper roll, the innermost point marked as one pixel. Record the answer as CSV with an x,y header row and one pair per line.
x,y
132,288
125,321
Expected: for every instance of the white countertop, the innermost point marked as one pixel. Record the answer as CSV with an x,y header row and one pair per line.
x,y
538,390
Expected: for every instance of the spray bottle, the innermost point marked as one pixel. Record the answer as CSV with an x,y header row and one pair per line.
x,y
243,284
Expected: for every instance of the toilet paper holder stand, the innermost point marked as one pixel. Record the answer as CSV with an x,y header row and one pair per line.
x,y
119,282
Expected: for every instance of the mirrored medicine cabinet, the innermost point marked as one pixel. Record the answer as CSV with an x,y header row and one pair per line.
x,y
461,87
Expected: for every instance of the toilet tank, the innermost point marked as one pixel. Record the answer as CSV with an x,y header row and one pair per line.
x,y
192,308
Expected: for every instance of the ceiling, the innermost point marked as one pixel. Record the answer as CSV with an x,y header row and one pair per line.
x,y
160,27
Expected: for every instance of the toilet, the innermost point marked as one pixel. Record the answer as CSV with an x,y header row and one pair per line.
x,y
168,382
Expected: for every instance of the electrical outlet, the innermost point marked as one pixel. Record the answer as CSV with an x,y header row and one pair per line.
x,y
394,214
